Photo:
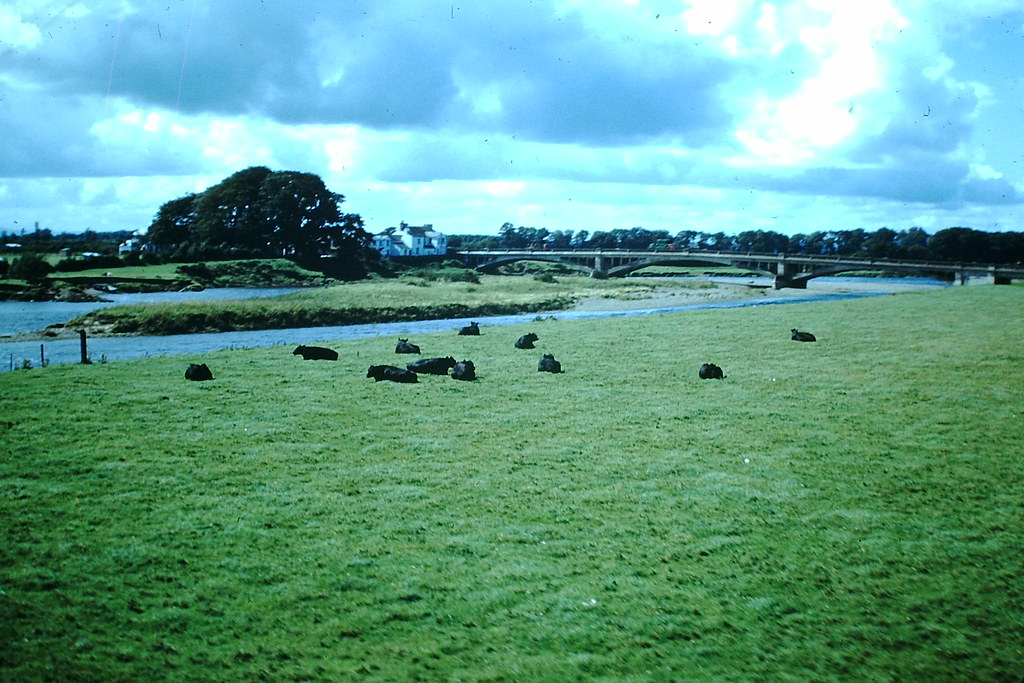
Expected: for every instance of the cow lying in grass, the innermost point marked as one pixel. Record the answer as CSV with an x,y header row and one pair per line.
x,y
526,341
432,366
464,370
403,346
797,335
549,364
315,353
391,373
710,371
471,329
198,373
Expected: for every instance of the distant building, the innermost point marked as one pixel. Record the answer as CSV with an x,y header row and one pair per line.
x,y
410,240
135,243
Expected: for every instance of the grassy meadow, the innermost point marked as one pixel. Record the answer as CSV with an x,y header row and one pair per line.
x,y
845,510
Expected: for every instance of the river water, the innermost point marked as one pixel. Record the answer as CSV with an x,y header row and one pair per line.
x,y
23,317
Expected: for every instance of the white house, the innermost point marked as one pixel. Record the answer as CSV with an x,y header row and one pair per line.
x,y
411,240
136,242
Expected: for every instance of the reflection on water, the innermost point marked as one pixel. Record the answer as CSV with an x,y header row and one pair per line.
x,y
119,348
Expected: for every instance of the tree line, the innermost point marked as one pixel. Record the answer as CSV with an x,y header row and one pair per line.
x,y
952,244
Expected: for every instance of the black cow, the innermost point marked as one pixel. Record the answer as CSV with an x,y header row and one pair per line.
x,y
526,341
797,335
432,366
464,370
198,373
710,371
391,373
403,346
471,329
549,364
315,353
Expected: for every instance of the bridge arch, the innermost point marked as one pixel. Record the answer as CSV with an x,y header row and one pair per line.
x,y
627,268
800,279
495,263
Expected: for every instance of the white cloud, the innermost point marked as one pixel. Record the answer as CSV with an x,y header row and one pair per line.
x,y
15,33
651,112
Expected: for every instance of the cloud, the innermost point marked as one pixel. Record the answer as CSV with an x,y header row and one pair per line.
x,y
893,102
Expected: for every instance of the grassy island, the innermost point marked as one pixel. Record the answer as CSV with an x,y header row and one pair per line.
x,y
848,509
414,297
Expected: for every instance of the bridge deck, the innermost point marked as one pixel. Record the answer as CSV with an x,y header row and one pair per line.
x,y
788,270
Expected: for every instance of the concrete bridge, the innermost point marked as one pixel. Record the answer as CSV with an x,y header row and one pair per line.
x,y
787,270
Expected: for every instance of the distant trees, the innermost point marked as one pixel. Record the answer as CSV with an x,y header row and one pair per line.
x,y
258,212
45,241
951,244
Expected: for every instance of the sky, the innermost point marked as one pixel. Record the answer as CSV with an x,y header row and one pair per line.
x,y
709,115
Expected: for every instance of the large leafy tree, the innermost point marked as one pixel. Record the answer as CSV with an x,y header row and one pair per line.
x,y
260,212
174,222
228,212
296,210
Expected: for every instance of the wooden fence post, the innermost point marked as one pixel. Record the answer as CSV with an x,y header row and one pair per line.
x,y
84,347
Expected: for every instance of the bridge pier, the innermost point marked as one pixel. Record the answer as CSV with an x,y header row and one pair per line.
x,y
785,276
989,278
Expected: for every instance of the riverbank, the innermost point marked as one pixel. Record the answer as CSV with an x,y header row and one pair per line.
x,y
413,299
373,301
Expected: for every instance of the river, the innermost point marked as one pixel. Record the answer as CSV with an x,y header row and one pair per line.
x,y
20,317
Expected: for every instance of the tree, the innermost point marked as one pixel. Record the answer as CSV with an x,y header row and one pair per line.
x,y
30,266
763,241
959,244
849,242
687,239
580,239
259,212
510,237
881,243
348,244
1007,247
912,243
226,213
173,222
294,213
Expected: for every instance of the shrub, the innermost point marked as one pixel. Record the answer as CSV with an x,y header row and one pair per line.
x,y
30,267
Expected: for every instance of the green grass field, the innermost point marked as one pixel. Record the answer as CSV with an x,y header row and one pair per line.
x,y
845,510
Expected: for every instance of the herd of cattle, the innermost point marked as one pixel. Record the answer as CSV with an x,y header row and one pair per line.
x,y
462,370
